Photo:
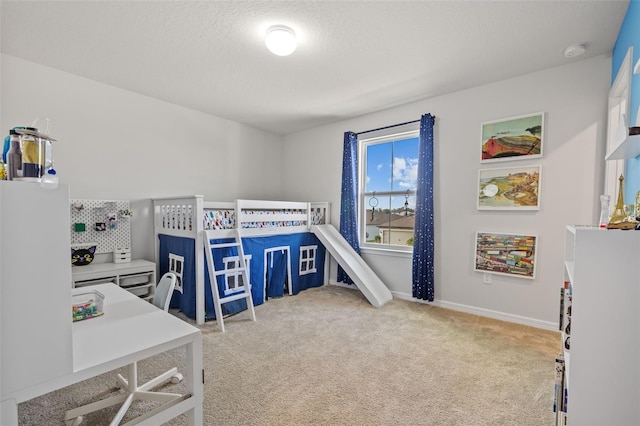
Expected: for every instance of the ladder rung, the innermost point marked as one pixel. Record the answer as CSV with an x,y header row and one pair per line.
x,y
238,296
223,245
229,271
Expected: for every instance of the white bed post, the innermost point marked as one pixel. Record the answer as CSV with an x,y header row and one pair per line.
x,y
157,219
200,265
326,213
327,256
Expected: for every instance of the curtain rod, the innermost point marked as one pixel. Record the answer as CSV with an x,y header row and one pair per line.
x,y
388,127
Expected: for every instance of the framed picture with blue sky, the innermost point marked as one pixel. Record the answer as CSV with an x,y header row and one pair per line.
x,y
514,138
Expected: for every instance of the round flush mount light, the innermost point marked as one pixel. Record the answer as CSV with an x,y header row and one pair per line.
x,y
281,40
575,50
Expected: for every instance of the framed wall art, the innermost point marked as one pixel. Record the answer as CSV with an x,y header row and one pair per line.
x,y
506,254
509,188
514,138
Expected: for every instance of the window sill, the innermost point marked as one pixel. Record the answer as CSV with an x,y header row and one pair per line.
x,y
386,252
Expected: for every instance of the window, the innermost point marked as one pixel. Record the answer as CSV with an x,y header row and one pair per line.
x,y
388,180
176,266
618,117
308,259
233,281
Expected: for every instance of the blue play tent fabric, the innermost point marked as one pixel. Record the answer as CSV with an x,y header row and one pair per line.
x,y
184,247
276,274
254,250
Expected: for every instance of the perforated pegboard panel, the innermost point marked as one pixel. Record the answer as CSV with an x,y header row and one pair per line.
x,y
116,233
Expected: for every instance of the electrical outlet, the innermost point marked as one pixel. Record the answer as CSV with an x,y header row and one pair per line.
x,y
486,278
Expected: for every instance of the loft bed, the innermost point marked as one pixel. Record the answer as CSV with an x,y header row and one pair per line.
x,y
275,235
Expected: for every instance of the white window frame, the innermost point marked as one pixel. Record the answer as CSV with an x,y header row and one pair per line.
x,y
176,265
408,131
619,104
233,275
307,265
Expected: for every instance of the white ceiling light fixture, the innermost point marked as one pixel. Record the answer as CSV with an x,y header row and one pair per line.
x,y
281,40
575,50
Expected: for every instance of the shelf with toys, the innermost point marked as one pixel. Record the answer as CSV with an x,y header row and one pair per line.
x,y
600,322
628,142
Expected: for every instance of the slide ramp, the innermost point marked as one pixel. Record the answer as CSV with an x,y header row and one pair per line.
x,y
362,275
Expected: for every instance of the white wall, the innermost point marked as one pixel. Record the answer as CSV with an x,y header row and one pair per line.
x,y
115,144
574,98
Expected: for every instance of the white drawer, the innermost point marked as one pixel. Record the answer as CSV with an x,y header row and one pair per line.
x,y
95,281
135,279
142,291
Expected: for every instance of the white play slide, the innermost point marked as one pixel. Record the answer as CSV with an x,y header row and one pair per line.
x,y
367,281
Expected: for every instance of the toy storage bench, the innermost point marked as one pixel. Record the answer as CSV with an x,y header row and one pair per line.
x,y
137,276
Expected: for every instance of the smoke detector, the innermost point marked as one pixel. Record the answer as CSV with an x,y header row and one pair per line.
x,y
575,50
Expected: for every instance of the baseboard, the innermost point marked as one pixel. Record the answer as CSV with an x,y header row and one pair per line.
x,y
532,322
517,319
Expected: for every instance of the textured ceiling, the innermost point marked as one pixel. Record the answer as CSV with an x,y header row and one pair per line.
x,y
353,57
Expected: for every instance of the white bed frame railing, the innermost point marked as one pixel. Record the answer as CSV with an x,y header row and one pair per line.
x,y
184,217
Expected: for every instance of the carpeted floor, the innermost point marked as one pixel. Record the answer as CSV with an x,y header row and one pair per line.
x,y
327,357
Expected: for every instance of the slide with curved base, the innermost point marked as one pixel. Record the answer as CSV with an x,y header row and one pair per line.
x,y
362,275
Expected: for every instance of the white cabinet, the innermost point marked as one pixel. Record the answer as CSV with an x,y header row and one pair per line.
x,y
137,276
603,362
35,295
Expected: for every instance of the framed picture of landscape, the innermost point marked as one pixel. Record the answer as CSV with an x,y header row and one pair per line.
x,y
514,138
509,188
506,254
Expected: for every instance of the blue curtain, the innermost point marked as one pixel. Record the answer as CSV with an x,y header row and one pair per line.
x,y
423,245
349,199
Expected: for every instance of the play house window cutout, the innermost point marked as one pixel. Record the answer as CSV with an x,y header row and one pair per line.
x,y
233,282
176,265
308,259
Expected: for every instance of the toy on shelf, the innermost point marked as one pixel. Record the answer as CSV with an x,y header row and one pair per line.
x,y
82,256
619,218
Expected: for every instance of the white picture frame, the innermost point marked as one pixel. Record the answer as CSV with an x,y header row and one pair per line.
x,y
507,254
509,188
514,138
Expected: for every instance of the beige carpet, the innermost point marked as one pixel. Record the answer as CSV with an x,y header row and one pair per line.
x,y
327,357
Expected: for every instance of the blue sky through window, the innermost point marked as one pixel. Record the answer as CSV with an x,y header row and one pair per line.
x,y
392,166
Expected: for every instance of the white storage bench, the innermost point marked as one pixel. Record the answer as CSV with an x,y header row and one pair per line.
x,y
137,276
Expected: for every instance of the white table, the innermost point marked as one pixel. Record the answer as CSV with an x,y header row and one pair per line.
x,y
130,330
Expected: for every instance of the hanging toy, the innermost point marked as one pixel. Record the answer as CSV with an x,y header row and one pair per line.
x,y
373,202
406,203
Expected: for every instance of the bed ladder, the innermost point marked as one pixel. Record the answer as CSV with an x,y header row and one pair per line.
x,y
240,266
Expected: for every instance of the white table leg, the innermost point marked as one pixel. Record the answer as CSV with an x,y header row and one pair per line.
x,y
194,379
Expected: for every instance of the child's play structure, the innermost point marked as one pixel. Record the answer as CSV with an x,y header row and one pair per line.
x,y
284,246
362,275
